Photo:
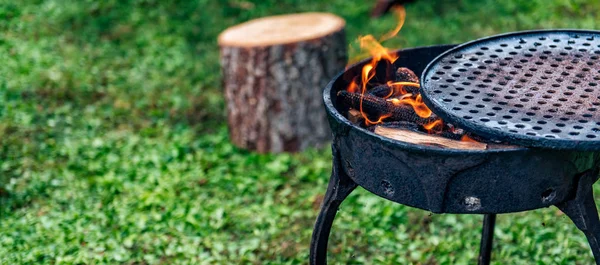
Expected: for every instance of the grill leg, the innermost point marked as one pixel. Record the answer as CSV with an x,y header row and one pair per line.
x,y
487,238
582,211
340,186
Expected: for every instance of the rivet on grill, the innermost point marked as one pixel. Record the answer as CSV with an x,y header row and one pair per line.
x,y
521,40
548,195
387,188
472,203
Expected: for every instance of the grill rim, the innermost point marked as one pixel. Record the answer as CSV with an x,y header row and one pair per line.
x,y
505,135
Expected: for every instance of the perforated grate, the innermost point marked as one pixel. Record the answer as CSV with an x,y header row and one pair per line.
x,y
537,88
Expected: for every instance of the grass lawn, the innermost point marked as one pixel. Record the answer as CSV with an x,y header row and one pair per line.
x,y
114,147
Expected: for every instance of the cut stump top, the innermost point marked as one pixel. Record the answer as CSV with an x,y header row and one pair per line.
x,y
283,29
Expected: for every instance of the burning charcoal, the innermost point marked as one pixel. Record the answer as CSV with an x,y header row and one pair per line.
x,y
404,74
396,124
385,91
381,91
377,107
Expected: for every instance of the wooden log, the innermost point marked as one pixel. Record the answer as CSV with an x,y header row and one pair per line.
x,y
410,136
274,70
355,117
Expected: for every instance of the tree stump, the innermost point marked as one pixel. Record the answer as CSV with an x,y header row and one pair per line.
x,y
274,71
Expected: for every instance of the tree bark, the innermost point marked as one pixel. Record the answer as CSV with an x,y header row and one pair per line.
x,y
273,86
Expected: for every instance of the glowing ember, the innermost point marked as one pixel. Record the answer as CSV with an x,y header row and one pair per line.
x,y
435,126
466,138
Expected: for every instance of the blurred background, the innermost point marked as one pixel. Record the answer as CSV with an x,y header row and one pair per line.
x,y
114,146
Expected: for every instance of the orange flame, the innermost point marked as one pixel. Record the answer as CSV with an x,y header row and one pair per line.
x,y
378,52
434,126
417,103
466,138
401,13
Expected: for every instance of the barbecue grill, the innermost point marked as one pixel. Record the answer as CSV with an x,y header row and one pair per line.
x,y
535,90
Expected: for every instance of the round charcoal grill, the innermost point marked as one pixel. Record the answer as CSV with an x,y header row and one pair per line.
x,y
535,88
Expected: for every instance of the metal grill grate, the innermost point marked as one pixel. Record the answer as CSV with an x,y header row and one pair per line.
x,y
537,88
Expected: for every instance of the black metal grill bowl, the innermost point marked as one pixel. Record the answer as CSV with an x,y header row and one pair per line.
x,y
449,180
499,180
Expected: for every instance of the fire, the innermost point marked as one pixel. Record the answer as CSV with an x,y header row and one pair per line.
x,y
417,103
398,95
434,126
401,13
378,52
466,138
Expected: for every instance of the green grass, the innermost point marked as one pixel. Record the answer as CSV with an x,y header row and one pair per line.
x,y
114,149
